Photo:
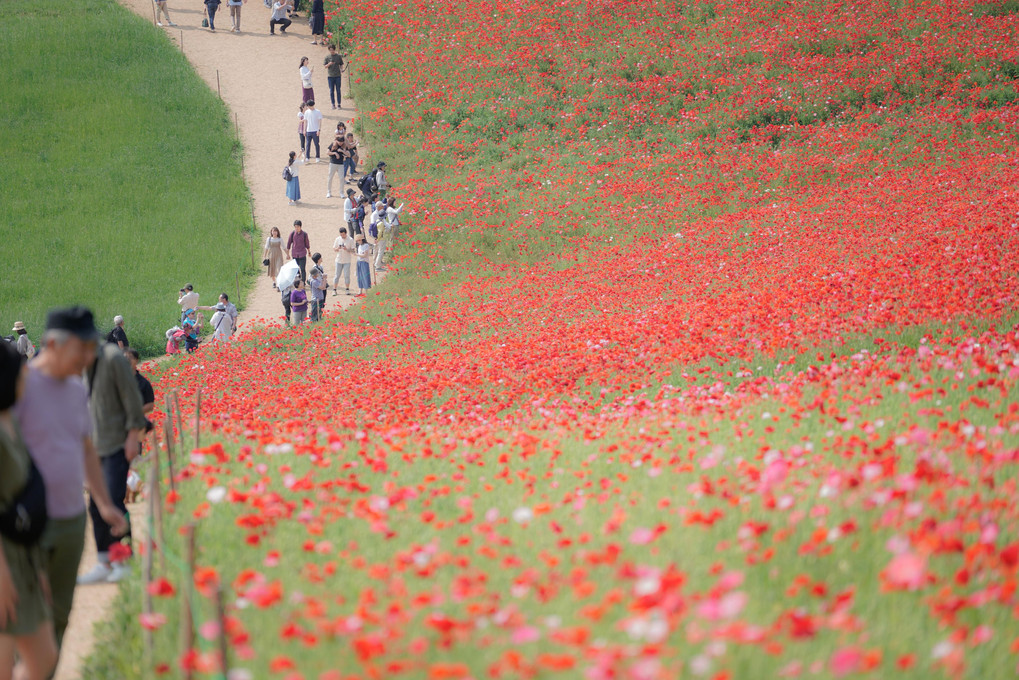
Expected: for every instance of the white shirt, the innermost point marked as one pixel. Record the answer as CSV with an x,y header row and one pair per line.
x,y
306,77
348,209
221,326
393,215
279,10
296,166
188,301
343,256
312,120
363,251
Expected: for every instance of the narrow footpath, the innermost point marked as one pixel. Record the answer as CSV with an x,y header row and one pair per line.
x,y
257,75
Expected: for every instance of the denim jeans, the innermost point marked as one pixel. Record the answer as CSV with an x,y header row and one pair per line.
x,y
312,137
115,469
211,10
351,165
334,89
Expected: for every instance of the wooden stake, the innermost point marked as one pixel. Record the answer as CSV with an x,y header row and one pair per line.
x,y
187,628
150,546
224,648
168,438
182,40
180,420
154,19
198,418
237,280
157,500
218,89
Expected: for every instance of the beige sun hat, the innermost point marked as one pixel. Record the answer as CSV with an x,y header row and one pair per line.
x,y
18,326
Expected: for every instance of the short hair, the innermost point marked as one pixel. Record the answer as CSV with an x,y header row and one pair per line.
x,y
224,296
133,353
117,320
343,230
10,369
311,102
297,223
316,257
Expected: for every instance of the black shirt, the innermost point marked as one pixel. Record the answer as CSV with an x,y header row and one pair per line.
x,y
118,335
148,395
317,6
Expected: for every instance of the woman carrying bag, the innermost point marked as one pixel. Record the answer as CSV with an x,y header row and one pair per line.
x,y
210,12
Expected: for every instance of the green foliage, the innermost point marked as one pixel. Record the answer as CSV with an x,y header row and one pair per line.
x,y
996,9
122,173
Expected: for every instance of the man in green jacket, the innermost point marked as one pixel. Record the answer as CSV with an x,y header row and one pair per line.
x,y
115,404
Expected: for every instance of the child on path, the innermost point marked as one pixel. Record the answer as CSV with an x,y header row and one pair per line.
x,y
300,124
298,302
290,175
318,292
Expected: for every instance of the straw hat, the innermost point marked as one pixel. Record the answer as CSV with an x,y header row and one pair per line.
x,y
18,326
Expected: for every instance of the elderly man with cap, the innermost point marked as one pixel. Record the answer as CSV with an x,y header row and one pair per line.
x,y
118,422
117,336
54,420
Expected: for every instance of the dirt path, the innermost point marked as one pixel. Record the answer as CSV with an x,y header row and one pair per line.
x,y
258,78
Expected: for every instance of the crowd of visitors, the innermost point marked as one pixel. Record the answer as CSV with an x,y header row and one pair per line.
x,y
46,462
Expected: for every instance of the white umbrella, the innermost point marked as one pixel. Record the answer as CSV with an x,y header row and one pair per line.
x,y
288,272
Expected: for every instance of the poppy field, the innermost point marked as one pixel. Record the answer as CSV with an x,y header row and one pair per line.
x,y
700,360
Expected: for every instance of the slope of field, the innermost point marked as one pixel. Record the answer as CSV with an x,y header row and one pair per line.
x,y
700,361
122,173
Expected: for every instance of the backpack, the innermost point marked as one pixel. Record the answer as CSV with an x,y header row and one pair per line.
x,y
23,522
367,185
287,175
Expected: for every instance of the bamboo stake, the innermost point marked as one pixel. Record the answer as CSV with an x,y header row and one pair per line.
x,y
198,418
219,90
180,420
224,649
188,587
168,438
156,509
149,547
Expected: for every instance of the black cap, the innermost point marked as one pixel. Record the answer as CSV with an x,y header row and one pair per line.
x,y
77,320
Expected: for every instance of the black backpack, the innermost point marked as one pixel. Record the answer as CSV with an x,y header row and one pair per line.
x,y
24,521
367,185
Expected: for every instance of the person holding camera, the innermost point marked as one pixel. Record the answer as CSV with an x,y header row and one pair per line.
x,y
188,300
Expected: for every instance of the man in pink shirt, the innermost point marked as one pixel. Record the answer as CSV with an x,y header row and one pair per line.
x,y
54,419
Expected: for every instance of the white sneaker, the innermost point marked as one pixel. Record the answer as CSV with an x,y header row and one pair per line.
x,y
329,195
159,23
172,24
99,574
118,573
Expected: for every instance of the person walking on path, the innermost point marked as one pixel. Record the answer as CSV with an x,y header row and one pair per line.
x,y
364,272
63,451
279,17
161,10
235,14
26,626
300,124
298,245
24,345
290,176
118,422
318,22
298,302
344,248
210,10
337,164
334,75
117,336
307,91
273,253
312,125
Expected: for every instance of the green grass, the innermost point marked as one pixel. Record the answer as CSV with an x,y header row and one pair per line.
x,y
122,173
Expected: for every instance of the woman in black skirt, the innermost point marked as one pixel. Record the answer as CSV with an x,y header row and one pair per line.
x,y
318,22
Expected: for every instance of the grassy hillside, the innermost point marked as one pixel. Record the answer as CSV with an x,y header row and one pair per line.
x,y
122,176
700,361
